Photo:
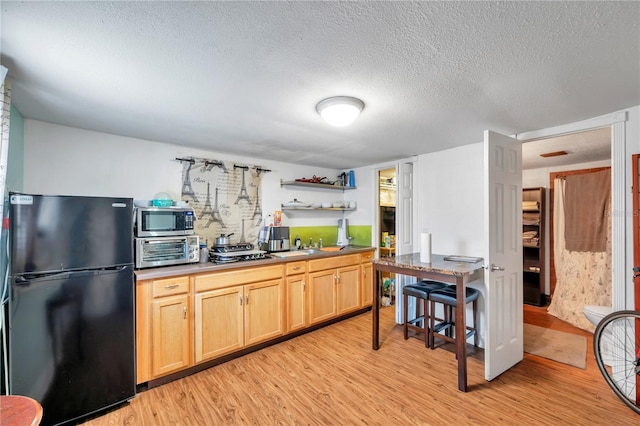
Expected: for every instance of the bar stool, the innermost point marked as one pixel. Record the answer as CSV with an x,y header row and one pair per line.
x,y
420,290
443,330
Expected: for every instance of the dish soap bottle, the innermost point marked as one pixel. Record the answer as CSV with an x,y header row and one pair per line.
x,y
297,243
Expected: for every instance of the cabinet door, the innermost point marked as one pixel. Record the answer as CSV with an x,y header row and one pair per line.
x,y
219,322
366,287
322,296
296,303
263,311
170,336
348,289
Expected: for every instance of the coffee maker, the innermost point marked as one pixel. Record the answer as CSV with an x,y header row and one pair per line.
x,y
277,239
343,232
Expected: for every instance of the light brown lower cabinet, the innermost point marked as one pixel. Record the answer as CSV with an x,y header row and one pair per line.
x,y
296,304
228,319
185,320
163,327
333,291
171,334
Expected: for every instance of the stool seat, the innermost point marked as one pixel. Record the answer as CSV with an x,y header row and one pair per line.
x,y
422,289
448,295
17,410
419,290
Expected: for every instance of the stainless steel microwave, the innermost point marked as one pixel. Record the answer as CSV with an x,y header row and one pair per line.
x,y
166,251
164,221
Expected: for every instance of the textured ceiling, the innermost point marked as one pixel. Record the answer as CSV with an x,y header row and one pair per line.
x,y
244,77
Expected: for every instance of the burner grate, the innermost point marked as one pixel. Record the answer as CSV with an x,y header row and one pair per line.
x,y
230,248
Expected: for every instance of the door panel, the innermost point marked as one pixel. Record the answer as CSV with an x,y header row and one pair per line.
x,y
263,311
503,237
322,296
170,335
348,289
219,325
296,306
366,286
405,225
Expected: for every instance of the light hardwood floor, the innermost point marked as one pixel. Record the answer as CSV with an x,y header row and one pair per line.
x,y
332,377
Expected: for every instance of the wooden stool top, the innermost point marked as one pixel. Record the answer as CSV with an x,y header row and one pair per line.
x,y
18,410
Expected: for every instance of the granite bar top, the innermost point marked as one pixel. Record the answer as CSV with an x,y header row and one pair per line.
x,y
198,268
438,264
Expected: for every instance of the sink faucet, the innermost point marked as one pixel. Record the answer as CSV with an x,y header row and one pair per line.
x,y
320,244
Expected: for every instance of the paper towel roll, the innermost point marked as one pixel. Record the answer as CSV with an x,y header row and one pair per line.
x,y
425,247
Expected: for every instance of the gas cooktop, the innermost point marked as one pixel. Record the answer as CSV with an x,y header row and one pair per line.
x,y
237,256
230,248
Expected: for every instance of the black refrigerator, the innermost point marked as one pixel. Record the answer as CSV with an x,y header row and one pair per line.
x,y
71,303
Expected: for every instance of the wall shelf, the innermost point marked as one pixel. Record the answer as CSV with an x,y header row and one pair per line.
x,y
334,209
315,185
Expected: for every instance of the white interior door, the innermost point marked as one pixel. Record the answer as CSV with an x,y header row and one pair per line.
x,y
503,253
404,229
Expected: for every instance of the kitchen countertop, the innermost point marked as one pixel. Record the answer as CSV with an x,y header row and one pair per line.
x,y
197,268
457,266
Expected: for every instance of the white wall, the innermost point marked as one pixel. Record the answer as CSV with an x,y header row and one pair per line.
x,y
540,177
71,161
450,196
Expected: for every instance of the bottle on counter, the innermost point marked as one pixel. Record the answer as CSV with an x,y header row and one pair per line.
x,y
204,253
298,243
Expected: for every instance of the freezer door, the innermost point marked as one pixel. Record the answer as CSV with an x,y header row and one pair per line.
x,y
71,341
55,233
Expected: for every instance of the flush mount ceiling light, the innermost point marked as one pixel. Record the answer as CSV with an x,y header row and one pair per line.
x,y
340,111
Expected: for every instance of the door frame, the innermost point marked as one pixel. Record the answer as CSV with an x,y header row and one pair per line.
x,y
375,229
635,186
620,270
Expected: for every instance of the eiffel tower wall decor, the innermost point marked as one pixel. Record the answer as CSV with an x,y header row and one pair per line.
x,y
225,197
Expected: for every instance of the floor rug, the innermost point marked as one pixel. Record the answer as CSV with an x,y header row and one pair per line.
x,y
556,345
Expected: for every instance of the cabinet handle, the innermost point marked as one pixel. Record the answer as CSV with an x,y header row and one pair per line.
x,y
365,273
337,278
304,286
247,298
296,268
240,300
184,312
170,286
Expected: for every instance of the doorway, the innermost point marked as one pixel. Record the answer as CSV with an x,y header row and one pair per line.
x,y
386,205
387,211
589,149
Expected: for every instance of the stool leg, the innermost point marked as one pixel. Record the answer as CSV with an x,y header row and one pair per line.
x,y
405,299
425,323
432,322
452,330
475,323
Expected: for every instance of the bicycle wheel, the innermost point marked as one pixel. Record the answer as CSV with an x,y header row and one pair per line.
x,y
617,352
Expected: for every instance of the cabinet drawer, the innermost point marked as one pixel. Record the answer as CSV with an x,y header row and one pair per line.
x,y
170,286
366,257
333,262
237,277
296,268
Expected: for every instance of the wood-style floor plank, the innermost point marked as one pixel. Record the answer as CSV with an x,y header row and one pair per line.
x,y
332,376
